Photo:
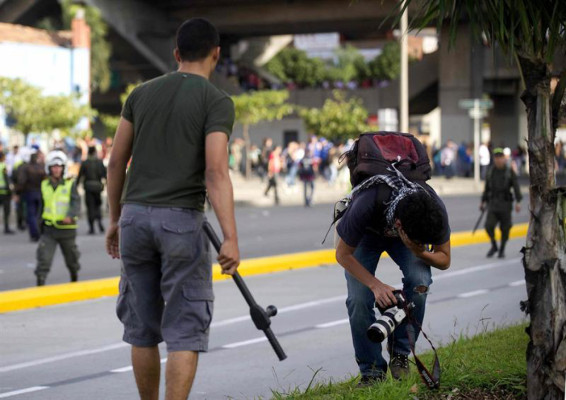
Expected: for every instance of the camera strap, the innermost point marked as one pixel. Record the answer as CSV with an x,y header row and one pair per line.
x,y
431,380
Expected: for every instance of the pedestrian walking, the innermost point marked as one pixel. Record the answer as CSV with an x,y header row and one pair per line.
x,y
29,181
273,170
448,157
498,199
266,149
175,128
5,194
485,159
61,207
91,173
307,174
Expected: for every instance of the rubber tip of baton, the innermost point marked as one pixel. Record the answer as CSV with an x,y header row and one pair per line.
x,y
271,311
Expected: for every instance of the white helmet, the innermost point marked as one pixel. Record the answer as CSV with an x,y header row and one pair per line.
x,y
55,157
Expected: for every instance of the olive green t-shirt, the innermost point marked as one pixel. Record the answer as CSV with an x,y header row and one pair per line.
x,y
171,116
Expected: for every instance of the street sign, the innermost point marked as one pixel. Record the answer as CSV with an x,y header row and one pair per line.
x,y
470,103
477,109
477,113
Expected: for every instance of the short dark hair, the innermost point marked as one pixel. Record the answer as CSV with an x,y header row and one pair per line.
x,y
196,38
422,218
91,150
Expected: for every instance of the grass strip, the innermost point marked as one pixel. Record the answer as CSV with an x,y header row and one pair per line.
x,y
490,365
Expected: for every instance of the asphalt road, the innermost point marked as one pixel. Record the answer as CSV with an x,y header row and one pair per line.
x,y
74,351
262,232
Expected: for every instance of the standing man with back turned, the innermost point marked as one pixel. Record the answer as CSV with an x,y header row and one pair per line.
x,y
176,130
92,173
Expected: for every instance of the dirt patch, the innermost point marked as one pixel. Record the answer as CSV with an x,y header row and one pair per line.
x,y
481,394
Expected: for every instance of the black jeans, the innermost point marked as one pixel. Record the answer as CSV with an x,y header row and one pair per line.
x,y
5,200
272,183
93,202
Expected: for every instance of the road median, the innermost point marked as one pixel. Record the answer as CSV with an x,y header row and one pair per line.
x,y
22,299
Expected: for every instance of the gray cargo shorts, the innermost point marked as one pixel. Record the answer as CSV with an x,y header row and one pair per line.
x,y
166,281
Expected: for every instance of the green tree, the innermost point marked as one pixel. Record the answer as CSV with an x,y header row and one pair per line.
x,y
349,65
293,65
34,112
533,33
100,49
255,107
387,65
62,113
339,118
20,99
110,123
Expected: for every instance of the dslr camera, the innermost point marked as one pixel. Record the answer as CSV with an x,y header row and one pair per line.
x,y
390,318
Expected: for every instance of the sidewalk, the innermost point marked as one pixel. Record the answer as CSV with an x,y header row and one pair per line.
x,y
251,192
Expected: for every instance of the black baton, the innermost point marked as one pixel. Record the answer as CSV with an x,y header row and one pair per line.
x,y
479,221
260,317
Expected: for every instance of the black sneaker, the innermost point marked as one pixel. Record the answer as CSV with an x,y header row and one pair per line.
x,y
40,281
501,254
370,380
399,366
491,252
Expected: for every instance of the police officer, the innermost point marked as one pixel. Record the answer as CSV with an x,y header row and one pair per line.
x,y
61,206
498,199
5,194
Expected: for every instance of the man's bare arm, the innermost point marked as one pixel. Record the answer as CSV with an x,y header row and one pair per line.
x,y
438,257
119,157
221,195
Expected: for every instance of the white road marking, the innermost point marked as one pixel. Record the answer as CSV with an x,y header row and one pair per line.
x,y
333,323
244,343
472,294
125,369
22,391
282,310
230,321
471,270
301,306
518,283
62,357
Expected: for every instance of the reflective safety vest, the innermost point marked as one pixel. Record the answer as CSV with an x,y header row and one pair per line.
x,y
56,203
3,182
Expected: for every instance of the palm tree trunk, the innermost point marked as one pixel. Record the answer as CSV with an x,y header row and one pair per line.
x,y
544,258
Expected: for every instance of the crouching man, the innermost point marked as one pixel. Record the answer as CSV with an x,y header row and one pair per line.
x,y
401,218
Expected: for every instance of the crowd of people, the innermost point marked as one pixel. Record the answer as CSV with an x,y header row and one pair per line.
x,y
298,162
453,160
457,160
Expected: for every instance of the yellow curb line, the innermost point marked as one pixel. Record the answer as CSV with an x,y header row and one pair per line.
x,y
22,299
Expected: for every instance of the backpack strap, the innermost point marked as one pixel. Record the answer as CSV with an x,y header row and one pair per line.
x,y
400,186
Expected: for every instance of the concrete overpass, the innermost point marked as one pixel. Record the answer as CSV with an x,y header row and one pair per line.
x,y
142,34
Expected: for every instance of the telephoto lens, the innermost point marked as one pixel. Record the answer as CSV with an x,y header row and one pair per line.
x,y
386,324
390,319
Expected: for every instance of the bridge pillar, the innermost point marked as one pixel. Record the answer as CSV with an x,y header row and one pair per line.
x,y
455,83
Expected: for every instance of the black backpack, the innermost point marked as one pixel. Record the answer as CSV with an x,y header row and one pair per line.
x,y
374,152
